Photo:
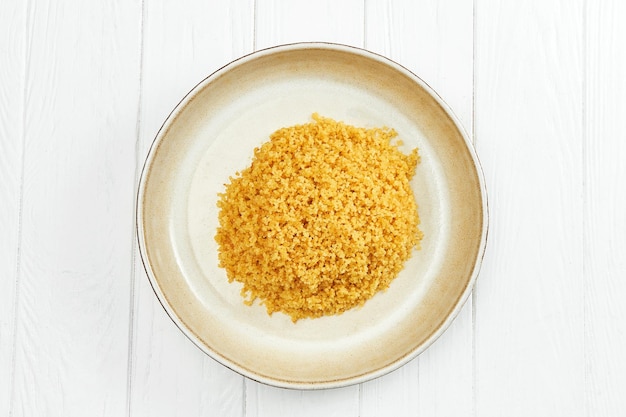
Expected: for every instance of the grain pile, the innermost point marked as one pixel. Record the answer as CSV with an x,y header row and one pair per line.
x,y
322,219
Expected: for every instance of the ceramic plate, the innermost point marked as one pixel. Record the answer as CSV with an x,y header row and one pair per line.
x,y
212,133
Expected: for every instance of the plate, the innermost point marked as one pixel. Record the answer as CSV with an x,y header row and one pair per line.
x,y
211,134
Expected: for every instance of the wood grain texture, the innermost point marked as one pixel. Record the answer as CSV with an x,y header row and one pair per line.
x,y
183,42
263,400
287,22
280,22
12,69
605,205
434,39
72,316
529,298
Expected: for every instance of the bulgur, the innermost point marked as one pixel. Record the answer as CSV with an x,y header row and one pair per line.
x,y
322,219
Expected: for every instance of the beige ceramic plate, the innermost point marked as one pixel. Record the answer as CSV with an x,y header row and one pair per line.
x,y
212,133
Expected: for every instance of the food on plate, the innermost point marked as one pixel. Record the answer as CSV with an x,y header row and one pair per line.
x,y
322,219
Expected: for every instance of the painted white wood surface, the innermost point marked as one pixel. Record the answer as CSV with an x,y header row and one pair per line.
x,y
604,227
74,244
12,82
85,86
529,328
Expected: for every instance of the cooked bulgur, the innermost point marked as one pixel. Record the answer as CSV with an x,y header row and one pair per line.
x,y
322,219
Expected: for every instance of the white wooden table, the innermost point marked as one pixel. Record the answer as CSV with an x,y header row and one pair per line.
x,y
84,87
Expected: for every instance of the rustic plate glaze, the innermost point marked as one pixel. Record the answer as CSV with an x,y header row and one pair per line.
x,y
212,133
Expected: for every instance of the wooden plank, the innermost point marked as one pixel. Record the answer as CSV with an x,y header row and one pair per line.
x,y
287,22
279,22
529,300
605,205
263,400
13,51
183,42
434,39
81,94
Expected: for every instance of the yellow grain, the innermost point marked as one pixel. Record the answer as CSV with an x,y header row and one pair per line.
x,y
322,219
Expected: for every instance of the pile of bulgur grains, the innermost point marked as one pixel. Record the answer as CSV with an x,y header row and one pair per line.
x,y
322,219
